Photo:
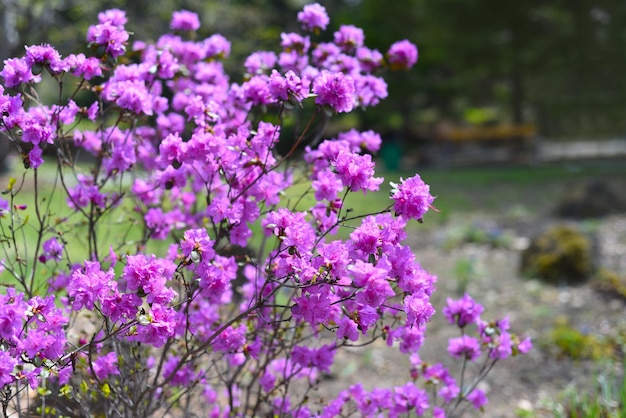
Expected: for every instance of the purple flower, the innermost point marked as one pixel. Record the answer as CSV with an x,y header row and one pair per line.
x,y
290,87
464,346
418,309
121,306
368,141
88,286
12,308
157,326
477,398
370,59
182,377
144,275
122,158
33,159
372,280
106,365
432,373
15,72
267,381
197,241
7,364
411,338
217,46
321,358
260,62
67,114
292,61
327,185
357,171
449,389
376,290
439,412
215,278
412,197
295,42
257,91
367,238
184,20
13,111
402,55
81,66
313,17
231,340
43,56
335,90
115,17
172,149
347,329
52,249
313,308
367,316
109,38
525,345
325,53
503,346
409,397
370,90
37,129
130,95
278,86
349,37
84,193
4,208
292,228
462,311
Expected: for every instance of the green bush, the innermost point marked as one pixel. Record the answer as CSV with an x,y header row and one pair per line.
x,y
571,342
559,255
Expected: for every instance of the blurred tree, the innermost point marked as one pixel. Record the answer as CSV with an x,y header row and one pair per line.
x,y
65,22
556,62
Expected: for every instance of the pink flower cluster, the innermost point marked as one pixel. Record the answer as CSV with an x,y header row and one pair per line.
x,y
188,168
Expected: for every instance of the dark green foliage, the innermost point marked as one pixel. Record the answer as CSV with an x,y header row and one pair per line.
x,y
558,64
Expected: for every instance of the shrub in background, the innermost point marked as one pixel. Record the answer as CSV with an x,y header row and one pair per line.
x,y
560,254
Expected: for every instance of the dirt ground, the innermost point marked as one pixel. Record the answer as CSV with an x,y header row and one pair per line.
x,y
532,385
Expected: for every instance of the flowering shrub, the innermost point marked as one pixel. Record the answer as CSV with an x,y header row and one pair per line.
x,y
177,277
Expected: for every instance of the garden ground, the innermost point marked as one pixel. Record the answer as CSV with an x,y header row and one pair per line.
x,y
474,244
486,216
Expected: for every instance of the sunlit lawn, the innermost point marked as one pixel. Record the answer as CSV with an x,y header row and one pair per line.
x,y
460,193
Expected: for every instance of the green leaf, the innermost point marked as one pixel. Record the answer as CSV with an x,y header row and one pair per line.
x,y
106,390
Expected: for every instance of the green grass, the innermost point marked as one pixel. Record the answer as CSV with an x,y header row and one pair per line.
x,y
498,190
525,191
50,217
608,400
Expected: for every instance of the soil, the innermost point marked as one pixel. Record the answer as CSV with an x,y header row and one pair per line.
x,y
532,385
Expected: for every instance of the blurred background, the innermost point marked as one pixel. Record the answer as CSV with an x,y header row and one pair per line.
x,y
514,115
496,81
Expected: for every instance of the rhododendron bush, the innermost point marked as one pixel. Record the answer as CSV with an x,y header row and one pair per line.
x,y
179,276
